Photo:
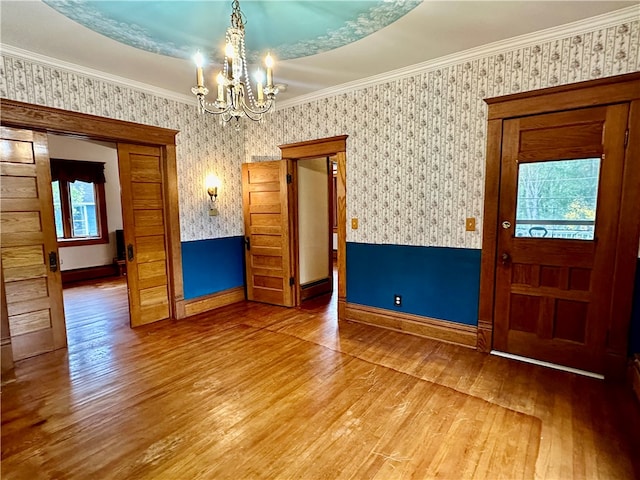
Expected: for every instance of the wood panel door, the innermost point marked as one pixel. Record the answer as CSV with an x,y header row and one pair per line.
x,y
145,236
561,180
266,190
30,265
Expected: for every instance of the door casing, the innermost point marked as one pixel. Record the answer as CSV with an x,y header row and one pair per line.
x,y
328,147
64,122
618,89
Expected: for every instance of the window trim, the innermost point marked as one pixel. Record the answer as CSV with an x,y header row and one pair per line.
x,y
65,204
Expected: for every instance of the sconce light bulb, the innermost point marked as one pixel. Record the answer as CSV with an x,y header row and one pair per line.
x,y
259,76
220,79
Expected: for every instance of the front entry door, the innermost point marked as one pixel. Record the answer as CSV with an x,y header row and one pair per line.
x,y
561,178
265,195
30,265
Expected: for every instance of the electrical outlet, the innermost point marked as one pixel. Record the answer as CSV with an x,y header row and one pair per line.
x,y
354,224
397,300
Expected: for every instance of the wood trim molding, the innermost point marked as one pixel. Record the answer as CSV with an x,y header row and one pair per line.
x,y
634,376
489,236
207,303
53,120
620,88
441,330
323,147
88,273
330,147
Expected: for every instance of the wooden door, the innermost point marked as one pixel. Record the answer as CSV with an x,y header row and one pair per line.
x,y
267,227
30,265
145,236
561,179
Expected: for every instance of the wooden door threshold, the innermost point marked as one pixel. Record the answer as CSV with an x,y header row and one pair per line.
x,y
555,366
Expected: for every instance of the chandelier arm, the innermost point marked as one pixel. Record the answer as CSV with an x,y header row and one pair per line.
x,y
204,108
247,109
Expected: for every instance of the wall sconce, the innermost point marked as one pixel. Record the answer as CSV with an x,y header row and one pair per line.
x,y
212,191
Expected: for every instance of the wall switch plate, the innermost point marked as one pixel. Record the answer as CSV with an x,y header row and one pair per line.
x,y
354,224
470,224
397,300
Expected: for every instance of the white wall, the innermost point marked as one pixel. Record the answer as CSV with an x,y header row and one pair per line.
x,y
88,150
313,219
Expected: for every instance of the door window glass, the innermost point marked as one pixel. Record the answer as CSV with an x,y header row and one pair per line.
x,y
558,199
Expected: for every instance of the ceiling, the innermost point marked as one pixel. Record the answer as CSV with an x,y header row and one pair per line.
x,y
317,44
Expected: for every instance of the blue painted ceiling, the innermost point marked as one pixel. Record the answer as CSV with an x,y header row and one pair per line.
x,y
287,28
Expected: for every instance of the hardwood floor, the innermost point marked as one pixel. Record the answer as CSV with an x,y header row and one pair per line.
x,y
255,391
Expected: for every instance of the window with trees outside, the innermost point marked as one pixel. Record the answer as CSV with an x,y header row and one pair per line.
x,y
79,203
558,199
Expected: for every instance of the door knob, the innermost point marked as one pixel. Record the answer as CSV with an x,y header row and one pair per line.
x,y
505,258
506,224
130,252
53,261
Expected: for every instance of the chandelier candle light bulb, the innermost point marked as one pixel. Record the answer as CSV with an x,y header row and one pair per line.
x,y
268,61
199,59
235,96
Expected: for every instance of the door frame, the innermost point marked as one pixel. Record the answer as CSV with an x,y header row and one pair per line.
x,y
64,122
326,147
299,292
618,89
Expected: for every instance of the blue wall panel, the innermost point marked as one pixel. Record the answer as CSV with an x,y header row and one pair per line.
x,y
435,282
210,266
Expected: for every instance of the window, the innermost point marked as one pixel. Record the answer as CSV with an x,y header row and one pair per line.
x,y
558,199
79,202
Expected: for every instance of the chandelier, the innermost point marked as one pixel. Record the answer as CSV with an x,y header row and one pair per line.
x,y
235,97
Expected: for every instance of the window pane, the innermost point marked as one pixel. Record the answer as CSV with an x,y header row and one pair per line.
x,y
83,209
57,208
558,199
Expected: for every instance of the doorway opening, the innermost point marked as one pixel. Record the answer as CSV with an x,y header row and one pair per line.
x,y
89,228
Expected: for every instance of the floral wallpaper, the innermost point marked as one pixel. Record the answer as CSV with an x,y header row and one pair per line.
x,y
202,146
416,146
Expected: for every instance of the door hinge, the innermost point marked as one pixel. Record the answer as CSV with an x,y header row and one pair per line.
x,y
291,282
289,178
626,137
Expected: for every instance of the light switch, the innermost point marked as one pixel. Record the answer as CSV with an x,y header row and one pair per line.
x,y
470,224
354,224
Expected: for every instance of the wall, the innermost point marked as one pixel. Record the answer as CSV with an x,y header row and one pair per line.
x,y
88,150
416,150
313,219
202,146
416,146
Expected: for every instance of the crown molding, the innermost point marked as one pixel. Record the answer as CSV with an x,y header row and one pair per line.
x,y
72,67
601,21
581,26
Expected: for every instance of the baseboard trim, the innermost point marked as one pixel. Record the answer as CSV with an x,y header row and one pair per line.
x,y
207,303
316,288
442,330
88,273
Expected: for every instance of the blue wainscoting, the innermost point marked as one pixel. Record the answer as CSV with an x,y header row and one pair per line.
x,y
634,333
434,282
211,266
